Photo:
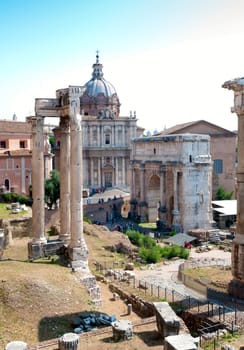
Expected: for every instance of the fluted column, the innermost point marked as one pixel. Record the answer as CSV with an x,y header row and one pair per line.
x,y
64,179
163,186
124,182
92,171
175,212
132,174
236,287
116,171
78,252
142,182
99,173
38,210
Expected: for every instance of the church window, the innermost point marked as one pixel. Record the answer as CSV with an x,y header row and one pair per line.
x,y
218,166
107,139
3,144
154,151
94,136
190,158
108,160
22,144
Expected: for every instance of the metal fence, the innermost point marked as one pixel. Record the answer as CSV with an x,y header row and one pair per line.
x,y
229,317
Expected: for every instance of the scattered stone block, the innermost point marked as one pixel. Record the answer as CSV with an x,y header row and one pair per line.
x,y
168,323
16,345
181,342
69,341
122,330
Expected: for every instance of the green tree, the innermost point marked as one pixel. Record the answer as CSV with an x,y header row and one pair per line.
x,y
52,188
221,194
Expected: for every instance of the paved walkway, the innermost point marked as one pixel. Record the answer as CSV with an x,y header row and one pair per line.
x,y
165,274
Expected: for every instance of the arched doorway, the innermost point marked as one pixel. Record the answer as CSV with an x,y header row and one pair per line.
x,y
153,196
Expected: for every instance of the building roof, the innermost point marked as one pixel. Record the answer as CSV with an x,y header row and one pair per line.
x,y
14,127
180,239
211,129
225,207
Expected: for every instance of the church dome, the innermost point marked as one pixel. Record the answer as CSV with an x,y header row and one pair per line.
x,y
98,84
99,97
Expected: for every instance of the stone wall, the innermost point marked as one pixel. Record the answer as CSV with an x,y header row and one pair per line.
x,y
17,227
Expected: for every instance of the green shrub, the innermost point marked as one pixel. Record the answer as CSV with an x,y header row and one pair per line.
x,y
87,219
153,253
15,197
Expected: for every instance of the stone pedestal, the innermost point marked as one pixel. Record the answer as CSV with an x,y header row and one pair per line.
x,y
16,345
78,258
69,341
122,330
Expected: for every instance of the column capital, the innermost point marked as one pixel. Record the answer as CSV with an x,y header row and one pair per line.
x,y
36,121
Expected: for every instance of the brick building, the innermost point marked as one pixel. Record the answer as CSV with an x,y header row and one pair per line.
x,y
15,156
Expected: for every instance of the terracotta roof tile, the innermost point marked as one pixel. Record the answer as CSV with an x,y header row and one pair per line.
x,y
12,126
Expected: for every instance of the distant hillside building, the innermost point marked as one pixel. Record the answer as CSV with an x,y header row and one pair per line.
x,y
171,181
106,135
222,148
15,156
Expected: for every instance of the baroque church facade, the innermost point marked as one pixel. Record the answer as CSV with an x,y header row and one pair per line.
x,y
106,136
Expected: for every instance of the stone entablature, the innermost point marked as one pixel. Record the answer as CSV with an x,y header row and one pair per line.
x,y
171,181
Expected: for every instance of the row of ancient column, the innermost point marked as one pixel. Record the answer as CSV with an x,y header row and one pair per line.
x,y
71,204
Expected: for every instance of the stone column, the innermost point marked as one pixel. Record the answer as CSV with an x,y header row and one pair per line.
x,y
142,182
175,212
162,204
236,286
99,173
64,179
124,182
132,172
38,210
92,172
162,173
78,252
116,171
143,206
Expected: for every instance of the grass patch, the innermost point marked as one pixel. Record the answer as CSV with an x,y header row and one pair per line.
x,y
7,214
151,225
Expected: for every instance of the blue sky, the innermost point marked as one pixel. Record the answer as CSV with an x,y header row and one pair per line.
x,y
166,58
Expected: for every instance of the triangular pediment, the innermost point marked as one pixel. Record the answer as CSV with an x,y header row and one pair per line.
x,y
198,127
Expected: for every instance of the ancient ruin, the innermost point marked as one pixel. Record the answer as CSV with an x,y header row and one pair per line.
x,y
67,107
236,286
171,181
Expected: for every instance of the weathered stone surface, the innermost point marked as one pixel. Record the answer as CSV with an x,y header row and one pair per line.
x,y
122,330
236,287
69,341
168,322
181,342
16,345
